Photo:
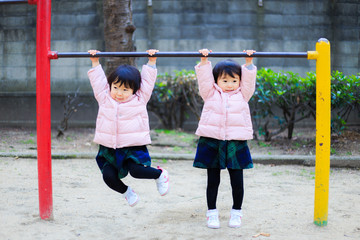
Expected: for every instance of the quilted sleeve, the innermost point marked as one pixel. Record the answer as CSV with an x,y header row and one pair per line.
x,y
205,80
99,83
248,80
148,78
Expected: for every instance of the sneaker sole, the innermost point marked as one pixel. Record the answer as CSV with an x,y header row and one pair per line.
x,y
213,227
165,193
133,205
234,226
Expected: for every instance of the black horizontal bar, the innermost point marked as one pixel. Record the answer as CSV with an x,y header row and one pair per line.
x,y
13,1
183,54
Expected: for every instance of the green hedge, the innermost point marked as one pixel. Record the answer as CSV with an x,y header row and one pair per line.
x,y
290,95
345,98
293,97
172,96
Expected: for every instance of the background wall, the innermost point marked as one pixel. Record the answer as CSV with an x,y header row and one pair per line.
x,y
168,25
278,25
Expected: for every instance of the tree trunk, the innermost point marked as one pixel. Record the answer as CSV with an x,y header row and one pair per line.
x,y
118,31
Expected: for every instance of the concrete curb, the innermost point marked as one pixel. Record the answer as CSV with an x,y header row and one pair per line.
x,y
335,161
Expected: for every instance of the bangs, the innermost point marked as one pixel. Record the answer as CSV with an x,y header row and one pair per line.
x,y
124,82
126,75
228,67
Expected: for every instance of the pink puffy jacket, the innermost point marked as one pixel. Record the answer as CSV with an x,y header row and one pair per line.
x,y
123,124
225,116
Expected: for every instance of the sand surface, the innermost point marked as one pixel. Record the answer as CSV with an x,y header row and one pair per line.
x,y
279,200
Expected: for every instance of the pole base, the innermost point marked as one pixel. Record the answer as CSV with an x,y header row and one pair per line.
x,y
320,223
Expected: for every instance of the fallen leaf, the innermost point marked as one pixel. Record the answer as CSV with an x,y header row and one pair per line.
x,y
261,234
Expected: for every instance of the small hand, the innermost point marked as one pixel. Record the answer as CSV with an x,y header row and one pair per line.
x,y
249,52
151,52
93,53
205,52
248,60
94,60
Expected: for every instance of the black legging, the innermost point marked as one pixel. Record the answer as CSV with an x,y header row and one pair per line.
x,y
110,175
237,185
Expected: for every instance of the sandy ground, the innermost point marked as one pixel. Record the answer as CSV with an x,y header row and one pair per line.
x,y
278,200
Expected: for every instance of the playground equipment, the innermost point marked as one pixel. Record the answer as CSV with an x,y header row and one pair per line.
x,y
44,55
56,55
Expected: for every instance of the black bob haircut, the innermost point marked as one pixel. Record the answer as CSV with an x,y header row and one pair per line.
x,y
229,67
126,75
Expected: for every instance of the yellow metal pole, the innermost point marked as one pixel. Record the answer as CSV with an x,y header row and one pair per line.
x,y
323,121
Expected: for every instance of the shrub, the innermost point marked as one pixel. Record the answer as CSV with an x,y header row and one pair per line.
x,y
172,96
345,98
287,91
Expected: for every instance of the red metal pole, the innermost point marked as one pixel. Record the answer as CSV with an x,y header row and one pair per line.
x,y
43,108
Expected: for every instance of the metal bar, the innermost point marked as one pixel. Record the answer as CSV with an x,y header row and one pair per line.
x,y
13,1
55,55
323,132
43,108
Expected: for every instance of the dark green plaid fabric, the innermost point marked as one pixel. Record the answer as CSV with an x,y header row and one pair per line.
x,y
119,157
214,153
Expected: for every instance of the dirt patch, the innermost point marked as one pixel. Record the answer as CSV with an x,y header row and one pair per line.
x,y
80,140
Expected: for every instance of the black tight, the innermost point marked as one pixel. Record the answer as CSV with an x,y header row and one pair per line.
x,y
110,175
237,185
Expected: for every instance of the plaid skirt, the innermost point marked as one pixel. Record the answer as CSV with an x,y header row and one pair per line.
x,y
119,157
214,153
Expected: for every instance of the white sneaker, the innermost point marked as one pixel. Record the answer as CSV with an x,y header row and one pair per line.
x,y
131,197
235,218
213,218
163,182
